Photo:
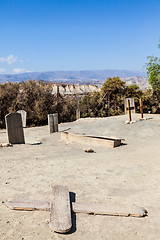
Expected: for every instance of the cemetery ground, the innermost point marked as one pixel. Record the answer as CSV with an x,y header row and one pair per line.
x,y
128,175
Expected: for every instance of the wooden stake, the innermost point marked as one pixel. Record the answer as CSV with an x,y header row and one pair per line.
x,y
108,103
129,110
141,107
78,110
58,102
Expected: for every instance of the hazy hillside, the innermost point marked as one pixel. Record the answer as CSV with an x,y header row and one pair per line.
x,y
75,77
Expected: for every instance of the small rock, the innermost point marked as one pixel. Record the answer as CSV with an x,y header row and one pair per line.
x,y
6,145
88,150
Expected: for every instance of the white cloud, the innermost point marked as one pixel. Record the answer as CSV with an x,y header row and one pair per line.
x,y
9,59
2,70
19,70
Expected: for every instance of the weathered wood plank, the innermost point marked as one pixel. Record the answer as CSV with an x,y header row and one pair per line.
x,y
88,208
90,140
60,216
108,209
29,205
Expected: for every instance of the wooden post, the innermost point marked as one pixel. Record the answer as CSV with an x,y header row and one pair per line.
x,y
108,103
78,110
141,107
53,122
58,102
129,110
60,216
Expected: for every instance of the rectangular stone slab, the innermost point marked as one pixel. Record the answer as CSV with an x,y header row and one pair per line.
x,y
90,140
88,208
60,216
14,128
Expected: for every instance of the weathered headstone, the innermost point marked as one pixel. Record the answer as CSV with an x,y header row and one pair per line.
x,y
50,123
55,119
132,105
14,128
24,117
53,122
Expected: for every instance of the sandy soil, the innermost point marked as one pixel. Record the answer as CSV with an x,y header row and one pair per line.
x,y
129,174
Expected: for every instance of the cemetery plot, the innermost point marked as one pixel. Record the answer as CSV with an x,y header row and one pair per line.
x,y
90,140
61,205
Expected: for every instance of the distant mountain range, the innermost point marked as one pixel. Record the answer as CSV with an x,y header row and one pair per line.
x,y
78,77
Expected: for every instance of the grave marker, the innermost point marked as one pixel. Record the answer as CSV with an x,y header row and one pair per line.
x,y
132,105
24,117
50,123
60,209
14,128
90,140
129,110
60,216
141,107
53,122
55,119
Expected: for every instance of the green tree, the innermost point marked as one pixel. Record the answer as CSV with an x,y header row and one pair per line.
x,y
113,91
153,72
8,95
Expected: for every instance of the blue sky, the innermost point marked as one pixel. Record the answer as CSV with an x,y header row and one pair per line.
x,y
49,35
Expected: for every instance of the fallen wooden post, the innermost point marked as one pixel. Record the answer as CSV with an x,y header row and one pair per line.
x,y
90,140
88,208
60,216
60,209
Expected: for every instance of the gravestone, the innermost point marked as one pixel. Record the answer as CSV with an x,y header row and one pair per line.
x,y
14,128
132,105
55,119
53,122
50,123
24,116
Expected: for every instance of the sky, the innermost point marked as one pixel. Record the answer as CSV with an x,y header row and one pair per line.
x,y
55,35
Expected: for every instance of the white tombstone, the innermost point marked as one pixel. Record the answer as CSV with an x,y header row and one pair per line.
x,y
24,117
14,128
132,105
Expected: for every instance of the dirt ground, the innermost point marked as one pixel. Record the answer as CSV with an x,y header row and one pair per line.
x,y
129,174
